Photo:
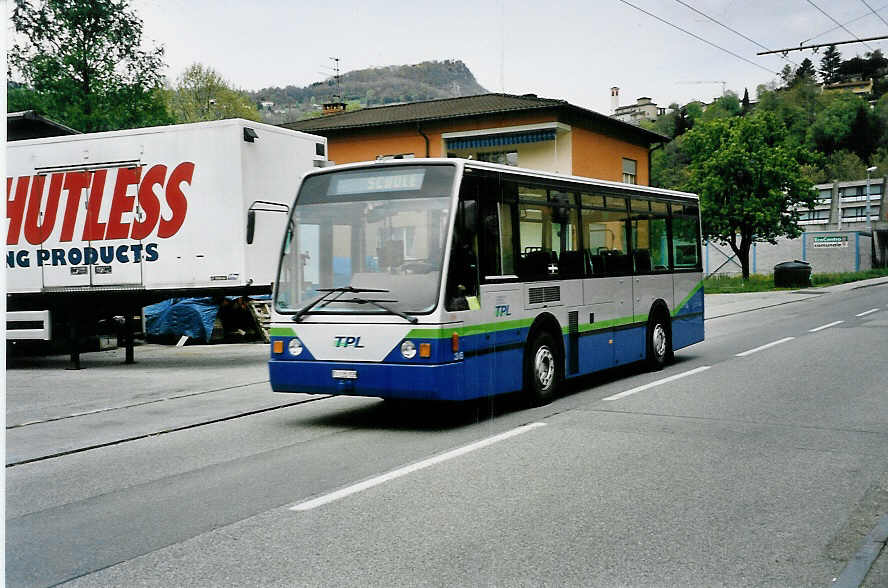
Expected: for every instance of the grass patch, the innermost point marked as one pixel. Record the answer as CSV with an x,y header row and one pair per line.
x,y
765,283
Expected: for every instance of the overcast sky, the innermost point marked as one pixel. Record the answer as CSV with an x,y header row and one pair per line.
x,y
569,49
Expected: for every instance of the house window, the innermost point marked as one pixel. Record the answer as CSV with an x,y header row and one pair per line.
x,y
503,157
630,167
395,156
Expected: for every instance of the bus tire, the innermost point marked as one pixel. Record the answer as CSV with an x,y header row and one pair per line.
x,y
659,341
542,369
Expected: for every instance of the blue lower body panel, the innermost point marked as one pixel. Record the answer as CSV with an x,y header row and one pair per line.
x,y
384,380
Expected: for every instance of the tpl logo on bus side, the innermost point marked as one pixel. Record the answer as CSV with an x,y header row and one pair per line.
x,y
343,341
503,310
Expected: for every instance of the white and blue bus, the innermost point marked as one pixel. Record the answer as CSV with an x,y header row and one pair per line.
x,y
449,279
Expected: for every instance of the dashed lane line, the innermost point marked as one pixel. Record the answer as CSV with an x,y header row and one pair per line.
x,y
765,346
826,326
376,481
870,311
657,383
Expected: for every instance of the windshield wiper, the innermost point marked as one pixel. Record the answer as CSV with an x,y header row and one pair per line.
x,y
328,291
377,304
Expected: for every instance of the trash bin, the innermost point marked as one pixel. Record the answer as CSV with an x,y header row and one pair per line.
x,y
792,274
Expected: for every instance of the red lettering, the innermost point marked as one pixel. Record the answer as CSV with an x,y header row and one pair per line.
x,y
75,184
148,202
15,208
93,230
36,232
176,200
121,203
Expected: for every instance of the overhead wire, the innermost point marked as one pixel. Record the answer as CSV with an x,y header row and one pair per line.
x,y
874,12
699,38
721,24
844,28
852,21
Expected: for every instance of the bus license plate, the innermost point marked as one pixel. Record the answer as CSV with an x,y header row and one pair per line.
x,y
345,374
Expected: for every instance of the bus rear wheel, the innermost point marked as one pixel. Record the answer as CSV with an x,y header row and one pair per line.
x,y
541,369
658,342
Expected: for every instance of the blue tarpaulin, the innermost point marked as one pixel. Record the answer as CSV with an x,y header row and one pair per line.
x,y
182,316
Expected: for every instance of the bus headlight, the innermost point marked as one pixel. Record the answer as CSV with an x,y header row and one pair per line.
x,y
294,347
408,349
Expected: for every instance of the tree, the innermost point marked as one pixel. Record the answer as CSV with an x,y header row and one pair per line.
x,y
805,72
749,180
745,105
829,65
724,107
846,122
202,94
85,66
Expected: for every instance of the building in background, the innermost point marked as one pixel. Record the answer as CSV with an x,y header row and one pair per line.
x,y
643,109
527,131
27,124
837,237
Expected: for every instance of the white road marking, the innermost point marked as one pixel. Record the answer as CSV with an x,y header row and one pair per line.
x,y
870,311
657,383
826,326
765,346
361,486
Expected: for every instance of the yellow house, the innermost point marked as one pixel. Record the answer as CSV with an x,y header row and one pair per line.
x,y
527,131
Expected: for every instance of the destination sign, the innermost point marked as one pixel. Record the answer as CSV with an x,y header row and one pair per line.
x,y
376,181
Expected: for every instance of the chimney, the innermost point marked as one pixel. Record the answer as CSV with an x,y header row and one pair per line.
x,y
615,99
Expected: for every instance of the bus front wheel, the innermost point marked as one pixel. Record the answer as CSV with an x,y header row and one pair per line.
x,y
541,369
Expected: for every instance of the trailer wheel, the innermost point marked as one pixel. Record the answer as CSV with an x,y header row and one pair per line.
x,y
542,372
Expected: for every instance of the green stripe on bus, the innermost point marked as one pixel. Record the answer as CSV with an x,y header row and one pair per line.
x,y
687,298
282,332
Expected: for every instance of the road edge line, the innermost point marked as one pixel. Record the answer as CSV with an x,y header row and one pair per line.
x,y
859,565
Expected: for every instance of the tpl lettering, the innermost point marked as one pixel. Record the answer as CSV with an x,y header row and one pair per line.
x,y
503,310
343,341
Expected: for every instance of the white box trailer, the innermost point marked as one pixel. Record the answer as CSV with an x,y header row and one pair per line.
x,y
103,223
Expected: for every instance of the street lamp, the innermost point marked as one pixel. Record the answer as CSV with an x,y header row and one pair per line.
x,y
869,222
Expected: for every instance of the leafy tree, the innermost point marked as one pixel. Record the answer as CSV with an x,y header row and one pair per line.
x,y
749,180
669,165
85,66
845,123
829,65
843,166
724,107
201,94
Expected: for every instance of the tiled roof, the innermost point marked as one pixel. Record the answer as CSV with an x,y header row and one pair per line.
x,y
466,106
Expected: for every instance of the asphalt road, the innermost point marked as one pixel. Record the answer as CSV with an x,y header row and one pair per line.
x,y
761,460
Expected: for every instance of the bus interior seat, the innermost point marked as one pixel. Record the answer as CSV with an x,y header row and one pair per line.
x,y
617,263
596,263
535,264
642,258
572,264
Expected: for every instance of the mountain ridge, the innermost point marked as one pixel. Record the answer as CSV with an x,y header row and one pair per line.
x,y
376,86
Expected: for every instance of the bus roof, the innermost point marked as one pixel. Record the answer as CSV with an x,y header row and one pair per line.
x,y
518,171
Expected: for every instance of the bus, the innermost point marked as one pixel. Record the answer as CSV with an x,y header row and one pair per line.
x,y
451,279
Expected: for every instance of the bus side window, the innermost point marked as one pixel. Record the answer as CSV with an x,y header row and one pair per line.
x,y
462,273
685,237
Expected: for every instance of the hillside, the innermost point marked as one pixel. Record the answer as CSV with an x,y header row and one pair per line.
x,y
376,86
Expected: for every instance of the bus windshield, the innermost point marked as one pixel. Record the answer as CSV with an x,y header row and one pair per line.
x,y
378,235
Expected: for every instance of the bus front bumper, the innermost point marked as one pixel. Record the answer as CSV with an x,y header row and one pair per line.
x,y
383,380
